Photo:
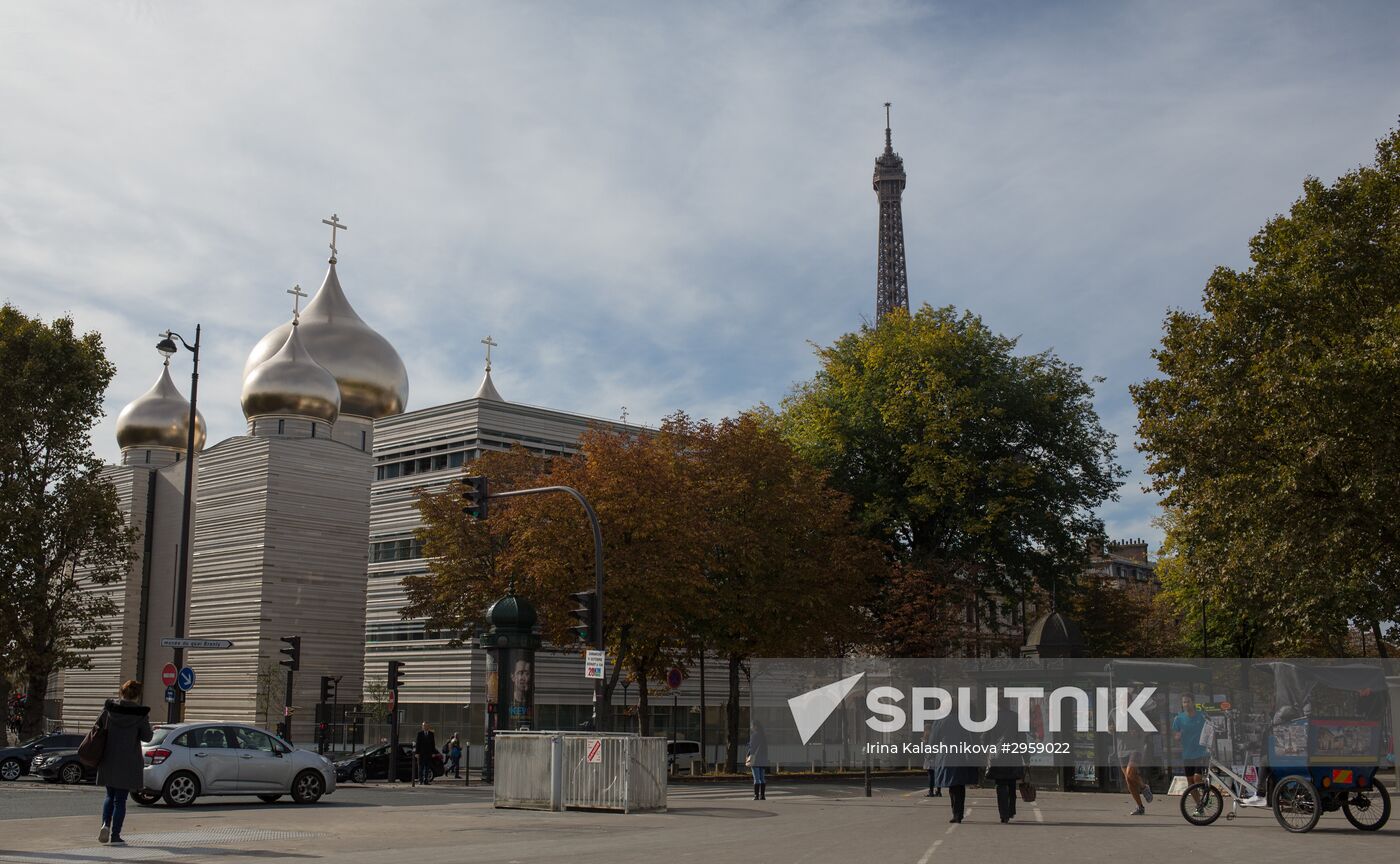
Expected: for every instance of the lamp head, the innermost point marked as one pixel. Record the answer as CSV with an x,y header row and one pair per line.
x,y
166,346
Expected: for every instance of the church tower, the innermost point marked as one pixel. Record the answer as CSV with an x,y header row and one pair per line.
x,y
891,281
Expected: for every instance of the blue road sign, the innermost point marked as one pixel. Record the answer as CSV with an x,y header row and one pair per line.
x,y
171,694
186,678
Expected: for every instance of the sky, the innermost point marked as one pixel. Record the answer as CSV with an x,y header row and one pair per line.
x,y
659,206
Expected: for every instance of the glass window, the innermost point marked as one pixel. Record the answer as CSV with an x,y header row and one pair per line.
x,y
209,738
252,739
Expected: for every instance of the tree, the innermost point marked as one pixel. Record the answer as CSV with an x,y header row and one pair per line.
x,y
970,461
786,573
60,522
465,574
1271,431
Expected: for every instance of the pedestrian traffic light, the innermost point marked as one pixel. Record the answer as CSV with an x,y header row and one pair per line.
x,y
327,688
589,627
395,667
292,652
475,494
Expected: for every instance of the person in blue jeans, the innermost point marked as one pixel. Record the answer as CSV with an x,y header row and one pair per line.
x,y
758,761
121,766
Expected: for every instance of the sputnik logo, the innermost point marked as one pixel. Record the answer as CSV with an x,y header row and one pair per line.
x,y
810,710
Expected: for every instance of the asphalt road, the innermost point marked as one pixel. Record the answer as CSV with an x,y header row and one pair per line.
x,y
806,823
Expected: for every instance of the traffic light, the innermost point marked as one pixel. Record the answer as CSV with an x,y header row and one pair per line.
x,y
589,627
395,668
293,653
475,494
327,688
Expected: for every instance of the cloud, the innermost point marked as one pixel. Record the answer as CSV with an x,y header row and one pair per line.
x,y
658,207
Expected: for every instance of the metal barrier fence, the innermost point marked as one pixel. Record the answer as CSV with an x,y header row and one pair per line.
x,y
580,771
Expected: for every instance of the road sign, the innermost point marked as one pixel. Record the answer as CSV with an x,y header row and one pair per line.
x,y
674,677
594,663
171,694
595,751
167,675
186,679
195,643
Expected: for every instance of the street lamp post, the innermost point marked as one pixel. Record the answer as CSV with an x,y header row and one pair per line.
x,y
167,347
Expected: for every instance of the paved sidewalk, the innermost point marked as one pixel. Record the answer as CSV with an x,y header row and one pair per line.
x,y
809,825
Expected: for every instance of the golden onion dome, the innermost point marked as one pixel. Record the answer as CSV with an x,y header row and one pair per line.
x,y
291,383
160,417
373,381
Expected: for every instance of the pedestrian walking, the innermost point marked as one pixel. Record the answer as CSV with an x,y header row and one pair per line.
x,y
952,768
1131,745
454,755
929,763
1006,759
425,747
127,724
757,761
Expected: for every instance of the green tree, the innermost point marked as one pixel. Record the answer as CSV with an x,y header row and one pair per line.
x,y
60,523
1271,431
972,462
787,575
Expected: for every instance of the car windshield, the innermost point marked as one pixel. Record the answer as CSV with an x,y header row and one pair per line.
x,y
32,741
368,751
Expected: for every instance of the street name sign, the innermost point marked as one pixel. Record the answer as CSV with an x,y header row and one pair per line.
x,y
195,643
594,663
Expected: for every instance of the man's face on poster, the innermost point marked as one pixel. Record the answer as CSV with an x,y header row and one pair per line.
x,y
521,678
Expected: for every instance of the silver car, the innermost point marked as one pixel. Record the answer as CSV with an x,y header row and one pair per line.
x,y
187,760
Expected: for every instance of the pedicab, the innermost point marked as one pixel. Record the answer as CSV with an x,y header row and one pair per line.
x,y
1325,746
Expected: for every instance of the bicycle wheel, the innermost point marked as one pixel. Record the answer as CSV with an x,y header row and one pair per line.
x,y
1297,806
1368,809
1201,804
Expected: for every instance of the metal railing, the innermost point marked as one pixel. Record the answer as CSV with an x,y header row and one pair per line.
x,y
580,771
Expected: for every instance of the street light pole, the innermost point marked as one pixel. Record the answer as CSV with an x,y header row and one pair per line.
x,y
167,347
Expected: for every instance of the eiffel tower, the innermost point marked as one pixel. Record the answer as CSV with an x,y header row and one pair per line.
x,y
891,280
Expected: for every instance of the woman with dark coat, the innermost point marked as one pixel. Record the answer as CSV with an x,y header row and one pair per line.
x,y
952,771
1008,768
121,766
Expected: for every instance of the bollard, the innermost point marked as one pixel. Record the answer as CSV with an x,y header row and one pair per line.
x,y
467,764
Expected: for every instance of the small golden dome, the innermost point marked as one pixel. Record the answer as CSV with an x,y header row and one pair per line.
x,y
291,383
160,417
372,379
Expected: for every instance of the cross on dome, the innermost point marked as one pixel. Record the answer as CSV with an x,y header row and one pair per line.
x,y
489,343
336,225
298,294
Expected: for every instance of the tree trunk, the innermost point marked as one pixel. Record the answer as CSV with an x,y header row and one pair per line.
x,y
731,720
643,709
1380,642
34,706
4,710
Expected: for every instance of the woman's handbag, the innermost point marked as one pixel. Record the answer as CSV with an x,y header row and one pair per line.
x,y
1027,791
94,743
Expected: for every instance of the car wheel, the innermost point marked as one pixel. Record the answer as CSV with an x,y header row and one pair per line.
x,y
10,769
308,787
72,774
359,775
181,789
144,798
269,799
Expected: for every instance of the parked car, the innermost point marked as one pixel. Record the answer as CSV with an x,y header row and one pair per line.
x,y
372,763
679,754
15,761
188,760
62,766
